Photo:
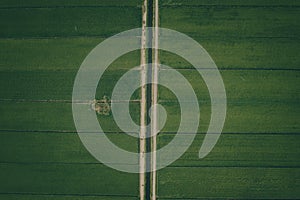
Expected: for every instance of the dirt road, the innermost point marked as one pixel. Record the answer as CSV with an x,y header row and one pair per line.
x,y
154,119
142,142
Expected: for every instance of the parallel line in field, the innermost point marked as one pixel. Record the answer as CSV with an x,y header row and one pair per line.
x,y
239,69
54,131
63,7
56,37
215,198
230,101
66,194
63,101
197,198
60,163
170,166
235,133
161,133
234,166
138,6
36,131
238,37
104,36
227,6
219,198
235,37
192,68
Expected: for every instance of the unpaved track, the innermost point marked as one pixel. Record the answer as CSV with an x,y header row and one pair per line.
x,y
154,119
146,74
142,140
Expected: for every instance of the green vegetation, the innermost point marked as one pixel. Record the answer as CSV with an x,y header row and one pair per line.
x,y
43,45
63,197
67,3
255,46
224,22
67,22
228,182
245,53
60,147
233,3
60,178
242,150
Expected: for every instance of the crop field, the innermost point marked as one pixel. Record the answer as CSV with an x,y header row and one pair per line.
x,y
254,43
43,44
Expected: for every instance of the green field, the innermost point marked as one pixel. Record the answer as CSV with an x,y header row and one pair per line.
x,y
43,44
254,43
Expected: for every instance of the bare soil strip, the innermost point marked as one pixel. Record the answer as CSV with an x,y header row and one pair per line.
x,y
142,141
154,127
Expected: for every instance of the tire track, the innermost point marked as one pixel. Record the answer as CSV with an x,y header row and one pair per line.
x,y
64,7
65,101
66,194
